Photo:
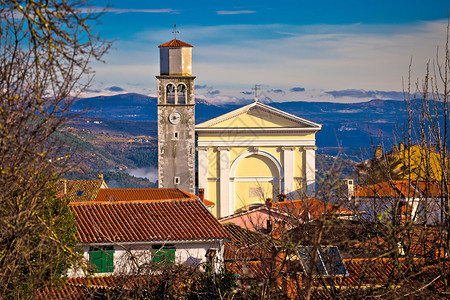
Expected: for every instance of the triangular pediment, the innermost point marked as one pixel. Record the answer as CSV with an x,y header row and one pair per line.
x,y
258,115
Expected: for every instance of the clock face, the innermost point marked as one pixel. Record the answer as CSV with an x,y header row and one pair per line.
x,y
175,117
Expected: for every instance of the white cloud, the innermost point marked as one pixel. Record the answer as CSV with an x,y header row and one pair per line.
x,y
233,58
128,10
235,12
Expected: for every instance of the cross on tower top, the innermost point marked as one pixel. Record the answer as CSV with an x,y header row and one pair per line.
x,y
256,88
175,31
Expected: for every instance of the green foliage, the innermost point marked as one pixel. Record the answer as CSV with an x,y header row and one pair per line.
x,y
144,157
61,226
45,49
213,286
38,239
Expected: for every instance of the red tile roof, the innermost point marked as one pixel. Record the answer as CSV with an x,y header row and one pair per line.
x,y
175,43
82,190
66,291
387,189
310,209
433,189
246,244
142,221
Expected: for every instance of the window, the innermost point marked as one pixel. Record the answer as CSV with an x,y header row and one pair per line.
x,y
329,261
80,193
102,259
163,254
176,180
181,93
170,94
175,135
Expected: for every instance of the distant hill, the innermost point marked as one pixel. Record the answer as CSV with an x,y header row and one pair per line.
x,y
345,126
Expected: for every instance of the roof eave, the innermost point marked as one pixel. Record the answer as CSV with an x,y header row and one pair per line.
x,y
154,242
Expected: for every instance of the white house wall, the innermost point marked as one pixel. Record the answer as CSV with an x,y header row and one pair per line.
x,y
190,253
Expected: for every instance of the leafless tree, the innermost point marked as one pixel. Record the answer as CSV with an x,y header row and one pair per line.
x,y
45,48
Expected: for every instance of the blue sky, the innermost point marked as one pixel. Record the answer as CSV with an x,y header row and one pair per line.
x,y
296,50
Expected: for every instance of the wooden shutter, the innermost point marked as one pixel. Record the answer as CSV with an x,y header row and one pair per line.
x,y
163,255
102,259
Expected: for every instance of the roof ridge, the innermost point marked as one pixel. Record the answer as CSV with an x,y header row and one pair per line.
x,y
175,43
131,201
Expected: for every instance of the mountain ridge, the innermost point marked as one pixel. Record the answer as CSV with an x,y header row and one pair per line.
x,y
345,125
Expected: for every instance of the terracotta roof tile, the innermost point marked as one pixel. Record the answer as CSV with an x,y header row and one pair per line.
x,y
245,244
387,189
64,292
175,43
139,221
433,189
82,190
310,209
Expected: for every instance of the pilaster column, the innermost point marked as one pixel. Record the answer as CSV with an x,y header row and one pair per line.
x,y
310,169
226,208
288,171
203,169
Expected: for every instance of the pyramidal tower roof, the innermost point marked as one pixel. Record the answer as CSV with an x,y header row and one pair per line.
x,y
175,43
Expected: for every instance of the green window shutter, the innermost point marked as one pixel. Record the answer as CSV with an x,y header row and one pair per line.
x,y
163,255
170,256
108,261
95,257
102,259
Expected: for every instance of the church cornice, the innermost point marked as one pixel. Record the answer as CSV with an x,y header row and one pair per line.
x,y
257,143
257,130
175,77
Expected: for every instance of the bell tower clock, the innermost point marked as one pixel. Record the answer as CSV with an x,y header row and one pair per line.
x,y
176,117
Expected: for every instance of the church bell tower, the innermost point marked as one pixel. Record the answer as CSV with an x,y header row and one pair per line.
x,y
176,117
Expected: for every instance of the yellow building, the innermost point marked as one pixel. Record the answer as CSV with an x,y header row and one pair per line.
x,y
253,153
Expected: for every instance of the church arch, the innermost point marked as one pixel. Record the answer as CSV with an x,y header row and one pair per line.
x,y
249,153
254,176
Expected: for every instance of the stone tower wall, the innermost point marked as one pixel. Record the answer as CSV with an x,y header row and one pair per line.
x,y
176,142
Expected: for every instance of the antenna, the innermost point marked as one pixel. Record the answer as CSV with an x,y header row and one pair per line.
x,y
256,88
175,31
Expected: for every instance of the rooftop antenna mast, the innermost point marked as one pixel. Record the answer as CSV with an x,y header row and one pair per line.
x,y
256,88
175,31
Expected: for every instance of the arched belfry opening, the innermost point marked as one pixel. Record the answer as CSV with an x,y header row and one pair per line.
x,y
170,94
181,94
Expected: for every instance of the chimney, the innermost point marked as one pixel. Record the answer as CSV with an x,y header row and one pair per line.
x,y
378,152
64,181
100,176
347,187
269,202
401,146
282,197
201,194
395,148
